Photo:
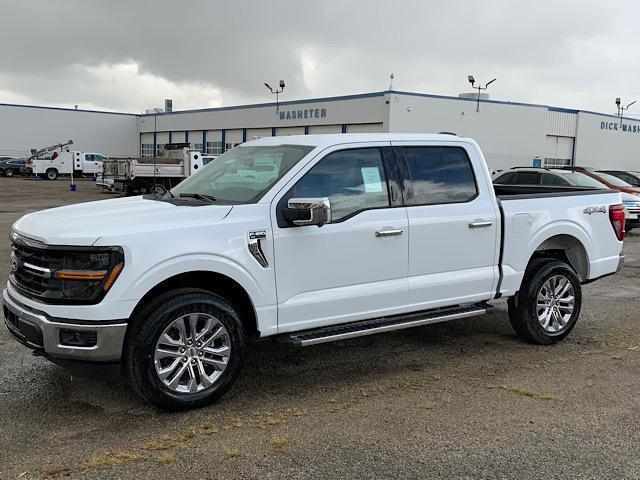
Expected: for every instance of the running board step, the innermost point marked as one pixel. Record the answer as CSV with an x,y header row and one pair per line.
x,y
380,325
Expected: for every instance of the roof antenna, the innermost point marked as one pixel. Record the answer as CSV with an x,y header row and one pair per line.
x,y
391,82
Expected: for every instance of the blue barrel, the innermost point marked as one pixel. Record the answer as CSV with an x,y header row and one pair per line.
x,y
73,187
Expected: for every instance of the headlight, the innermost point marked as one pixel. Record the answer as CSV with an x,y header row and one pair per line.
x,y
90,275
64,275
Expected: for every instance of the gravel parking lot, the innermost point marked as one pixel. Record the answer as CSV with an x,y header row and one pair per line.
x,y
465,399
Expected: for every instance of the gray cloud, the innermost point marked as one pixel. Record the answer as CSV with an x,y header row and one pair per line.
x,y
128,55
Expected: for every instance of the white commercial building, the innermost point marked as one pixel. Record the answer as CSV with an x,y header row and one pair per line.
x,y
510,133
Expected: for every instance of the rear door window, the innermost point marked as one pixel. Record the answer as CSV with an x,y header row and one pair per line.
x,y
440,175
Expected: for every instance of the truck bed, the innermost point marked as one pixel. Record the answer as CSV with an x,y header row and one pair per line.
x,y
573,219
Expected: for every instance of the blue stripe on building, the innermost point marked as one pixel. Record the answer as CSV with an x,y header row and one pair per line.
x,y
344,128
273,131
306,130
224,138
155,145
244,135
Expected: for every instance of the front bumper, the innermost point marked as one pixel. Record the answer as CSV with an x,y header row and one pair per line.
x,y
41,333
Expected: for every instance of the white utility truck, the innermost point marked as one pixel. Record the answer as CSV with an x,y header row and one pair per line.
x,y
306,239
153,175
66,163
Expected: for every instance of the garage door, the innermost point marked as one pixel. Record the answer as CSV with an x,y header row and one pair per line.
x,y
258,133
365,128
232,138
146,144
290,131
325,129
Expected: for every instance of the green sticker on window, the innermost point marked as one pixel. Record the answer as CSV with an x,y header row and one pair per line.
x,y
371,179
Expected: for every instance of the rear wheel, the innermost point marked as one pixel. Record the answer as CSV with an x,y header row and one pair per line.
x,y
547,307
8,172
52,174
158,189
184,350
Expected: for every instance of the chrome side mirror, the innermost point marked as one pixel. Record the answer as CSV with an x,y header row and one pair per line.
x,y
319,210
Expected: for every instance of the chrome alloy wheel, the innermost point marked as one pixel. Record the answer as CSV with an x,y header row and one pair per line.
x,y
555,304
192,352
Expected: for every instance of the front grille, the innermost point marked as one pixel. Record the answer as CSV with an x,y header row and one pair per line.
x,y
31,267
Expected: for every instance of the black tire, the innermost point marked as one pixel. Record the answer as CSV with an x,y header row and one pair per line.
x,y
145,330
523,306
158,189
8,172
51,174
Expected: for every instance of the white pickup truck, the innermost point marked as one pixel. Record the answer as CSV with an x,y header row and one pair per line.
x,y
153,175
67,162
306,239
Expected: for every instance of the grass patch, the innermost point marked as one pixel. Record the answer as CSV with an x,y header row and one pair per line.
x,y
280,444
166,459
56,470
110,459
168,442
523,392
232,452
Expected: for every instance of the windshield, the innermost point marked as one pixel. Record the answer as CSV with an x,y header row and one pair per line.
x,y
613,180
243,174
581,180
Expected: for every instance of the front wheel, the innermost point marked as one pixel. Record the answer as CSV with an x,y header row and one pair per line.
x,y
184,350
547,307
8,172
52,174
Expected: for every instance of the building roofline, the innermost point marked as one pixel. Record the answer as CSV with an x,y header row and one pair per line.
x,y
65,109
329,99
505,102
271,104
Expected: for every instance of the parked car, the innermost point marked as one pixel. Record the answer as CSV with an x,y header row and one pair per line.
x,y
16,166
341,236
547,176
579,178
632,178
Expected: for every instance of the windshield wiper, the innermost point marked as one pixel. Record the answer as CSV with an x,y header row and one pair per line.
x,y
199,196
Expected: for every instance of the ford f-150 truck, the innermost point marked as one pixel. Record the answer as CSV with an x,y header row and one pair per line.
x,y
305,239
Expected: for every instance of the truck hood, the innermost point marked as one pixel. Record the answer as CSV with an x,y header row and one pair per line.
x,y
84,223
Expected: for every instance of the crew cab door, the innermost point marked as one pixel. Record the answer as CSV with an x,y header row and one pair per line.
x,y
354,267
453,224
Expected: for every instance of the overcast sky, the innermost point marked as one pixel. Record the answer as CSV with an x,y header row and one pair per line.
x,y
130,55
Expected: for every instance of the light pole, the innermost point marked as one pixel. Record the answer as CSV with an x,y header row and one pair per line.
x,y
277,93
479,87
622,108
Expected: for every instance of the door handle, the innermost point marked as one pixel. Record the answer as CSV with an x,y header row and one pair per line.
x,y
388,233
480,224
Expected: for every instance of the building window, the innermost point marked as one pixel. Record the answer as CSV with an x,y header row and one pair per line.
x,y
229,146
147,149
160,148
197,146
556,162
214,148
